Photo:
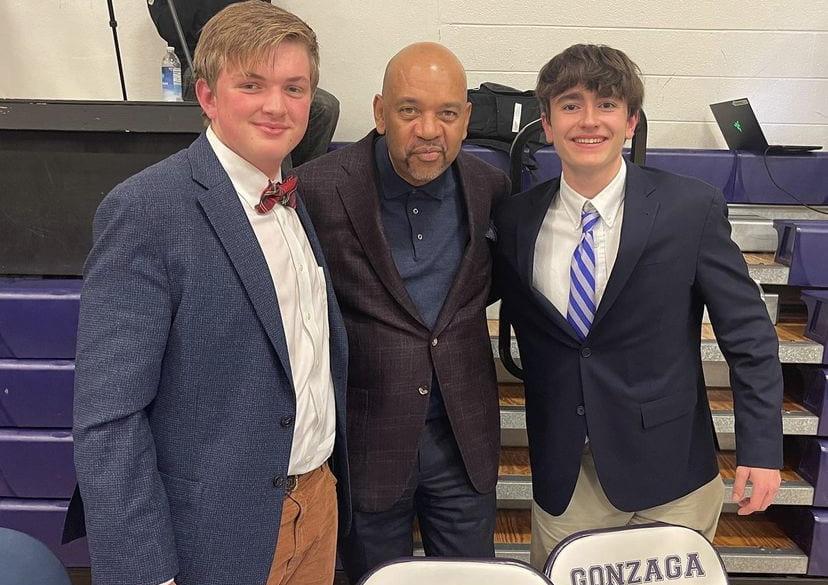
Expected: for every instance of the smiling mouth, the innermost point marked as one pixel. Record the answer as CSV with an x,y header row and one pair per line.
x,y
588,140
272,128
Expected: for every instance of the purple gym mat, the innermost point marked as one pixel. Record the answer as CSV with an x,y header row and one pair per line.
x,y
803,246
36,393
38,318
43,519
36,464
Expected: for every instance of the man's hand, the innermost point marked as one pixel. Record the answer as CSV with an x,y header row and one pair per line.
x,y
765,485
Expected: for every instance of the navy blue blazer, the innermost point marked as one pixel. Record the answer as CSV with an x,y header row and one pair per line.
x,y
635,385
184,402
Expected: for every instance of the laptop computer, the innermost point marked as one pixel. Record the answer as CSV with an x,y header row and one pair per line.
x,y
741,129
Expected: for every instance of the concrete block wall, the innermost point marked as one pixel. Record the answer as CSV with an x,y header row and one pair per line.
x,y
692,53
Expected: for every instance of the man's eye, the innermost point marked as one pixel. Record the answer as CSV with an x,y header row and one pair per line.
x,y
249,86
449,115
408,111
609,105
569,107
295,89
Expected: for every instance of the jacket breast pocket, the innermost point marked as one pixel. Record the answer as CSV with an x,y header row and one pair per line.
x,y
662,410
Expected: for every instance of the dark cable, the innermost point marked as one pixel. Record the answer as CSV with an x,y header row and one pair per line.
x,y
785,191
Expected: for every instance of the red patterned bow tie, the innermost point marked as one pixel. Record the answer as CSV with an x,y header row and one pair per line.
x,y
284,193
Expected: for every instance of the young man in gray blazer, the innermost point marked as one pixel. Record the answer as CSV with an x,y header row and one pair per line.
x,y
210,374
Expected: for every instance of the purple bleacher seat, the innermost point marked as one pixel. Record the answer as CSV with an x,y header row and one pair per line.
x,y
808,528
817,326
36,393
815,384
36,464
43,519
742,177
813,467
801,174
38,318
803,247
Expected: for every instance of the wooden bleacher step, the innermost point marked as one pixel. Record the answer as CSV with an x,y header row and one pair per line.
x,y
514,487
794,347
796,419
764,269
747,544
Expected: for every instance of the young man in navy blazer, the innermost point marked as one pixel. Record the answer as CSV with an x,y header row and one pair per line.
x,y
210,374
605,273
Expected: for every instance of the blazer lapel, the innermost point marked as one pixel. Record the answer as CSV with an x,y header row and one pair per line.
x,y
225,213
360,197
526,239
639,214
477,220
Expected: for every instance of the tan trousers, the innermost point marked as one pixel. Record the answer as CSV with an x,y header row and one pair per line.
x,y
306,549
589,509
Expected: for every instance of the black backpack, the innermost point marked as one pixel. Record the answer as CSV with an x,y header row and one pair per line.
x,y
498,113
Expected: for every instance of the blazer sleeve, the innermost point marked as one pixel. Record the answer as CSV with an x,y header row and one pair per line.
x,y
746,337
124,322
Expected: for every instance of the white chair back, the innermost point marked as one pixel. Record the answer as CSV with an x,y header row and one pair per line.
x,y
650,554
447,571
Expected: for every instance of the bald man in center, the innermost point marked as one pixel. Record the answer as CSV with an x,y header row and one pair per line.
x,y
403,216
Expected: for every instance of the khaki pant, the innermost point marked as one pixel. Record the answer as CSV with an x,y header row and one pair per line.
x,y
589,509
306,549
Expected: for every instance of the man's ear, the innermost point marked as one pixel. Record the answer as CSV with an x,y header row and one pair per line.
x,y
379,114
547,129
467,110
632,122
206,98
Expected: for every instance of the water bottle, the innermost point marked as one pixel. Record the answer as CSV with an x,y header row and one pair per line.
x,y
171,77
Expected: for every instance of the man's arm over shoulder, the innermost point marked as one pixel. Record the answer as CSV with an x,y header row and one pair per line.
x,y
122,334
748,341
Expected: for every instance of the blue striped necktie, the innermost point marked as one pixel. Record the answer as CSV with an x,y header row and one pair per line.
x,y
581,309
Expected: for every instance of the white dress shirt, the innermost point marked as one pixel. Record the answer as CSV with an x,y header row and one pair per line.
x,y
561,233
303,303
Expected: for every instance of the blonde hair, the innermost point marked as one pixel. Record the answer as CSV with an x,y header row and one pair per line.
x,y
246,32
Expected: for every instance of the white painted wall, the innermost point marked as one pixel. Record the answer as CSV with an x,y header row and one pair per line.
x,y
692,53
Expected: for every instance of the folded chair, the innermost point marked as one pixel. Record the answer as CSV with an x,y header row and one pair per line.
x,y
649,554
447,571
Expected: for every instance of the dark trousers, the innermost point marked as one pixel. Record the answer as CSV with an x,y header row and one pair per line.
x,y
455,520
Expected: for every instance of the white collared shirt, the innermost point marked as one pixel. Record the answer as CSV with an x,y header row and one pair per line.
x,y
561,232
303,303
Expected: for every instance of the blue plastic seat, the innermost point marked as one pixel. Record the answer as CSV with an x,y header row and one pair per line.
x,y
27,561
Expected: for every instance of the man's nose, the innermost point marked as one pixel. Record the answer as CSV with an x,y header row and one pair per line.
x,y
589,116
274,102
429,127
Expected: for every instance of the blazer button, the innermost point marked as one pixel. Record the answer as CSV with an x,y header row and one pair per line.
x,y
434,342
286,421
580,410
423,390
278,481
586,352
